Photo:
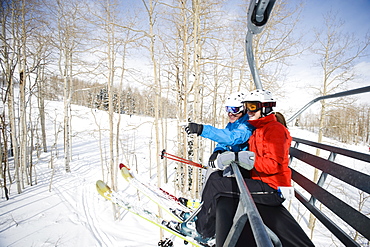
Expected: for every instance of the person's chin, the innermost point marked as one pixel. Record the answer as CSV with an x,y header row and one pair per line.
x,y
232,119
252,117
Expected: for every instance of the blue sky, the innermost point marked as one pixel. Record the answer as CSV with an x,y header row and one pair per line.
x,y
356,16
355,13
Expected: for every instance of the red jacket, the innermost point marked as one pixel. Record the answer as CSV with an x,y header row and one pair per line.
x,y
271,142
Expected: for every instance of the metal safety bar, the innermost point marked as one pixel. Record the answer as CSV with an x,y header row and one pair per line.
x,y
264,237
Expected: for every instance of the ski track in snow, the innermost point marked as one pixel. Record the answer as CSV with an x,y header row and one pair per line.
x,y
101,237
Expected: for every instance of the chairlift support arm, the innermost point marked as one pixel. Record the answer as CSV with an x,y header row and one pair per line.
x,y
336,95
258,14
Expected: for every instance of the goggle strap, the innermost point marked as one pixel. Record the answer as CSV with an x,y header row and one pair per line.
x,y
268,104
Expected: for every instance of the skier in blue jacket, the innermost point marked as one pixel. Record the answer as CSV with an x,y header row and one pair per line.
x,y
235,136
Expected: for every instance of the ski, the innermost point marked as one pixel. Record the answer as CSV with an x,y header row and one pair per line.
x,y
125,172
105,191
163,199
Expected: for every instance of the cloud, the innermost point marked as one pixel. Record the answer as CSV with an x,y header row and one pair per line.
x,y
363,69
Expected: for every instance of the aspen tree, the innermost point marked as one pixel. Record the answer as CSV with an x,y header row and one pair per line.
x,y
68,34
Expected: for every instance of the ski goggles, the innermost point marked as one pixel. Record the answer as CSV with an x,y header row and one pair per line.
x,y
234,109
256,106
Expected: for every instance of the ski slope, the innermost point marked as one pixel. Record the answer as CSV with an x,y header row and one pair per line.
x,y
64,209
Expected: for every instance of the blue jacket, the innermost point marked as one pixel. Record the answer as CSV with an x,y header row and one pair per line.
x,y
233,138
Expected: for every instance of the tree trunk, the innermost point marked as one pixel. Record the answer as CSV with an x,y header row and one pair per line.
x,y
23,128
13,133
66,111
41,106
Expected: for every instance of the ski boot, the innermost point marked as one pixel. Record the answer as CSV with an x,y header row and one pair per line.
x,y
188,229
182,214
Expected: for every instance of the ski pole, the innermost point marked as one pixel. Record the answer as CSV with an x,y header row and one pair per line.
x,y
185,161
179,159
164,154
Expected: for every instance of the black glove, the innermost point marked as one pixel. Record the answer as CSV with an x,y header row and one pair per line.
x,y
213,157
194,128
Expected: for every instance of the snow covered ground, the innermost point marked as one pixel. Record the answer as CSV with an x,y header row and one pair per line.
x,y
64,209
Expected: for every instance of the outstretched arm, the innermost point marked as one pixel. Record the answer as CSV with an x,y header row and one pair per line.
x,y
227,137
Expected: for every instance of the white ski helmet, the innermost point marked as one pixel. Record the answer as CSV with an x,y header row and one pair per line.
x,y
260,99
259,95
235,99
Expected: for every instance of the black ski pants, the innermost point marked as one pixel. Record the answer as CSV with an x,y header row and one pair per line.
x,y
221,197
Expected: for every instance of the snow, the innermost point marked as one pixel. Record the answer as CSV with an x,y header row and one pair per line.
x,y
64,209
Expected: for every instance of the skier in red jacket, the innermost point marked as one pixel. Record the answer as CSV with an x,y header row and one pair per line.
x,y
270,141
